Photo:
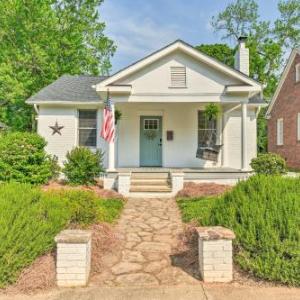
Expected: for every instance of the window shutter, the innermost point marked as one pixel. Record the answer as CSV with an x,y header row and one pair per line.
x,y
280,132
178,77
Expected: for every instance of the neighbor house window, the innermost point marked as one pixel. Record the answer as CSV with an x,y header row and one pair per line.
x,y
207,131
280,132
297,72
298,127
87,128
178,77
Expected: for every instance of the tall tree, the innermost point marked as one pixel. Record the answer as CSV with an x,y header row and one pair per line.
x,y
40,41
221,52
237,19
287,27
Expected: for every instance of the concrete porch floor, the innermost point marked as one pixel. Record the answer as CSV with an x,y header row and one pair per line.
x,y
184,170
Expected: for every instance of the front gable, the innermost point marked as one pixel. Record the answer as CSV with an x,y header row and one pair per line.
x,y
156,77
204,76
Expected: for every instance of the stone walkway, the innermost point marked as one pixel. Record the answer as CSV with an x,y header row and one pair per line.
x,y
149,230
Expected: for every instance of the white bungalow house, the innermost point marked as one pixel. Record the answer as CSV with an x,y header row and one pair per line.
x,y
161,98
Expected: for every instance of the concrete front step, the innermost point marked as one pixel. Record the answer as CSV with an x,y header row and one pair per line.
x,y
158,182
145,175
151,189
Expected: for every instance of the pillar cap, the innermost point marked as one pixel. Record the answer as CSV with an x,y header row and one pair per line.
x,y
73,236
215,233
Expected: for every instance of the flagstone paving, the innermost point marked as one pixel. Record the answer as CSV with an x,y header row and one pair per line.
x,y
148,254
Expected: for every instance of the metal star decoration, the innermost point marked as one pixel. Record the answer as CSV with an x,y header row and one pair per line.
x,y
56,128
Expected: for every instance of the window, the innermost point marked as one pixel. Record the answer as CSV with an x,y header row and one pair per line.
x,y
298,73
151,124
298,127
207,131
178,77
87,129
280,132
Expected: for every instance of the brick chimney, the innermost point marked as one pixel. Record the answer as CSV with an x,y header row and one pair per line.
x,y
242,56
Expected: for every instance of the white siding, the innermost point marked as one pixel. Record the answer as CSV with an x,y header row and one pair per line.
x,y
182,119
57,144
233,137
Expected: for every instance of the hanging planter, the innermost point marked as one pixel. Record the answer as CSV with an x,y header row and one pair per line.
x,y
150,134
211,150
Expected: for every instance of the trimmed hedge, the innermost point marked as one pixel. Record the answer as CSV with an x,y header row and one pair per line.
x,y
30,219
23,159
269,164
264,213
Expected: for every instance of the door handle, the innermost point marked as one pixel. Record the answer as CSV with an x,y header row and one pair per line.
x,y
160,142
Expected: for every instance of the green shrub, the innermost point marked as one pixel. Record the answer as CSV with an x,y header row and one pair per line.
x,y
269,164
30,219
83,166
264,213
23,159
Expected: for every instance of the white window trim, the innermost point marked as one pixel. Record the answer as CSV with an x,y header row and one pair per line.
x,y
298,127
279,132
298,72
78,129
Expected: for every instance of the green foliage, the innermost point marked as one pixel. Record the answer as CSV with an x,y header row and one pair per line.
x,y
211,111
221,52
83,166
23,159
264,214
269,164
262,135
30,219
42,40
237,19
197,209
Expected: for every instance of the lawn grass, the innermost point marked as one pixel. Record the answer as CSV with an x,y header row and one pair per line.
x,y
31,218
264,213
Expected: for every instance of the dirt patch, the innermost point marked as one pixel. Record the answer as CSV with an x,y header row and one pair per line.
x,y
192,190
40,275
97,188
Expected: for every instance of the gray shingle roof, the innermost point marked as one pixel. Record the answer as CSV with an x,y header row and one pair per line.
x,y
69,88
257,100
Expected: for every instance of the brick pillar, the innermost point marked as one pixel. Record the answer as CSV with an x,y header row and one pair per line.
x,y
215,253
73,260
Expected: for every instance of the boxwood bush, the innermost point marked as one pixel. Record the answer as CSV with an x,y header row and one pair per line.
x,y
264,213
23,159
83,166
30,219
269,164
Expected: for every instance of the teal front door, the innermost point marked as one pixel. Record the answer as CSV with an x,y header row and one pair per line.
x,y
150,141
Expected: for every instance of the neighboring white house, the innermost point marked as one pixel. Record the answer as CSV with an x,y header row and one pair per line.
x,y
161,98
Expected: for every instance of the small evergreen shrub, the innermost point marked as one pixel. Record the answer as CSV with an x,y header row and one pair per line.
x,y
23,159
31,218
264,214
269,164
83,166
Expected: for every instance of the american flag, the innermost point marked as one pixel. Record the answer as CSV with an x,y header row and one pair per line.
x,y
108,124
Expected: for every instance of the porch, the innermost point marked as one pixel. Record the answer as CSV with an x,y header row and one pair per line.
x,y
152,181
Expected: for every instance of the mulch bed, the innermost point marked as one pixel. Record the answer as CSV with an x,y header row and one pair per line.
x,y
97,188
193,190
40,275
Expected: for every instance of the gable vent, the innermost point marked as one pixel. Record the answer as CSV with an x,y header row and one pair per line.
x,y
178,77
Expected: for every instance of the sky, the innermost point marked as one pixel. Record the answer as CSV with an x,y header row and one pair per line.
x,y
139,27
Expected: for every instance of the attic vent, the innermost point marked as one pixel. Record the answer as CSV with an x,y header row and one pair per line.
x,y
178,77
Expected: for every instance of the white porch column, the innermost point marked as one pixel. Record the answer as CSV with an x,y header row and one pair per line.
x,y
244,136
111,145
